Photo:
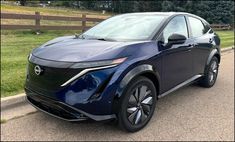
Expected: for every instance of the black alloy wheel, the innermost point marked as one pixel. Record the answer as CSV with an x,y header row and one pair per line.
x,y
211,73
137,105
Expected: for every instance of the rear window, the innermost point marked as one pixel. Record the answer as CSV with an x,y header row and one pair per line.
x,y
208,28
197,27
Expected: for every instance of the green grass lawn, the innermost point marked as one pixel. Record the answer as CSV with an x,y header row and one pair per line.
x,y
48,10
16,45
226,37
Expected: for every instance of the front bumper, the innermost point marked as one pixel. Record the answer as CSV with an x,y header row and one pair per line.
x,y
61,110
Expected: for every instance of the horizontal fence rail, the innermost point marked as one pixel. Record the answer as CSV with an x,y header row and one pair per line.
x,y
37,18
221,26
84,18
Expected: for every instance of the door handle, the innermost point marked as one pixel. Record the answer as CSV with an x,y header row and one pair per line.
x,y
191,46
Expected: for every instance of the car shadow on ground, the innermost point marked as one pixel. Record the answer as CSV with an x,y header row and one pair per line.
x,y
162,108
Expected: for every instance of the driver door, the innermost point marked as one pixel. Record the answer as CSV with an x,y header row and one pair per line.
x,y
177,60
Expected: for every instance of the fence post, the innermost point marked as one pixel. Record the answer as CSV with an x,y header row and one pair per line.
x,y
37,21
83,22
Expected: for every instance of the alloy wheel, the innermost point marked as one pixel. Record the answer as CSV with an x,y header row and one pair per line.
x,y
139,105
213,71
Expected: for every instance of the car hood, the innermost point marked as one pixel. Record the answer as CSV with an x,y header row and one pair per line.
x,y
71,49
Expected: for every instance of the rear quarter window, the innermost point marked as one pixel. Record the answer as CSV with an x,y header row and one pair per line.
x,y
197,27
208,28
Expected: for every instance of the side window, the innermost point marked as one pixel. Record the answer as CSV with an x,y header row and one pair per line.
x,y
207,28
176,26
197,27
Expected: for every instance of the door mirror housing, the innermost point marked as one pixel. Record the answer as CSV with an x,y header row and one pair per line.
x,y
176,39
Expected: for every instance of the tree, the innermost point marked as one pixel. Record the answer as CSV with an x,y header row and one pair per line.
x,y
22,2
212,11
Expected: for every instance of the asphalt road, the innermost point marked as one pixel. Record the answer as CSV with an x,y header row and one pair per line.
x,y
191,113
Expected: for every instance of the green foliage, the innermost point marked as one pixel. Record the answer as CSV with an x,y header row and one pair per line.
x,y
213,11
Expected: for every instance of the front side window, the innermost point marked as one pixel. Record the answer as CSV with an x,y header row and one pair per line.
x,y
176,26
197,27
126,27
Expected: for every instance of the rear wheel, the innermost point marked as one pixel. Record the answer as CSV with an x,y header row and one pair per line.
x,y
210,74
137,105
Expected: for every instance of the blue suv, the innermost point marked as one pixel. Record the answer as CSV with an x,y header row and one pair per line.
x,y
119,68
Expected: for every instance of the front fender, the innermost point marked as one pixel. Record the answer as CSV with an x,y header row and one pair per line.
x,y
136,71
141,69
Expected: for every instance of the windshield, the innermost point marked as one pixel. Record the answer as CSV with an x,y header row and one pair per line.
x,y
125,27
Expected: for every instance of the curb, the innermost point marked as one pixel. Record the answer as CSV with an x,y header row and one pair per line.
x,y
227,49
15,107
11,101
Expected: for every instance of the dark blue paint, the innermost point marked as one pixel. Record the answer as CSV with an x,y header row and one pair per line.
x,y
170,66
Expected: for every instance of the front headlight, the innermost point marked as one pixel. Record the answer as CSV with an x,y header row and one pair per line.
x,y
91,66
98,63
29,57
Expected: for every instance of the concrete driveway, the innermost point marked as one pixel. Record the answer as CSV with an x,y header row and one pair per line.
x,y
191,113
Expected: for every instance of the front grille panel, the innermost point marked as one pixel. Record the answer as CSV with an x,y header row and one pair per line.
x,y
50,78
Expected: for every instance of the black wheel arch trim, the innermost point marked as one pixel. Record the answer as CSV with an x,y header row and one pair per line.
x,y
137,71
214,52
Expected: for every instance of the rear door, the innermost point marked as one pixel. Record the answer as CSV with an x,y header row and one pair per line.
x,y
176,59
203,38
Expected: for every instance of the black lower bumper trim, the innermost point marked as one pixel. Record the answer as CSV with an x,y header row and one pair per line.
x,y
55,111
60,109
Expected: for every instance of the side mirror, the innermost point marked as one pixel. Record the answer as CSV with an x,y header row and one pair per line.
x,y
176,39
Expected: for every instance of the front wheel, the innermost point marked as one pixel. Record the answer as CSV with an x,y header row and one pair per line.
x,y
210,74
137,104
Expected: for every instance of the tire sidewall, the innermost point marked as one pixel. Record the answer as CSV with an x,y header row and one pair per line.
x,y
122,115
210,84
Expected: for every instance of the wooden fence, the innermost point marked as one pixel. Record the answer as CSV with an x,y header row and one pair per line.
x,y
83,18
221,26
37,18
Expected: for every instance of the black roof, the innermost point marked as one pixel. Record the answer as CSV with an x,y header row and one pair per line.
x,y
169,14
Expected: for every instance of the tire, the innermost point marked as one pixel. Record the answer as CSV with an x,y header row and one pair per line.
x,y
137,104
211,73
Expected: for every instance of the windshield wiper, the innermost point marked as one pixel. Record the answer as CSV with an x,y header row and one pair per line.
x,y
93,38
101,39
104,39
79,36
